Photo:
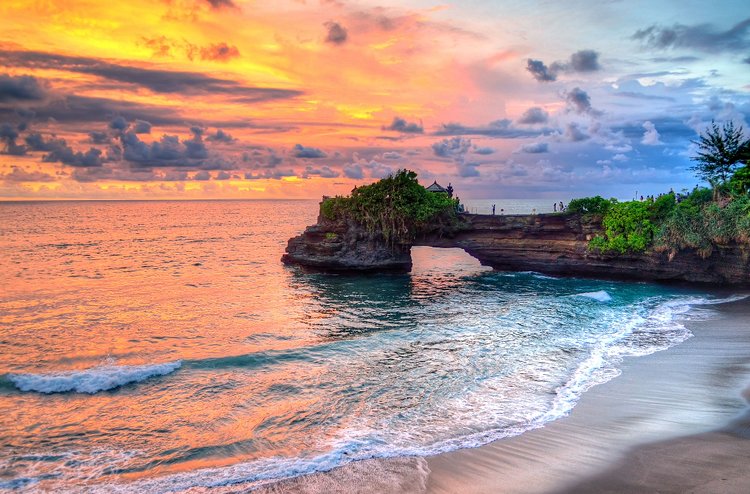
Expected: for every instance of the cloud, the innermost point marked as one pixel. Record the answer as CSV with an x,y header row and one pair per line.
x,y
220,136
8,136
498,128
168,151
96,137
219,52
20,88
651,135
141,127
483,150
456,148
580,61
534,115
540,71
354,171
301,151
19,175
401,125
574,134
156,80
272,174
704,37
391,155
202,176
579,100
585,61
324,172
223,175
337,33
535,148
221,4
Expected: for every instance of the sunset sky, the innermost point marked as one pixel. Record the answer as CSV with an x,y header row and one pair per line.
x,y
295,99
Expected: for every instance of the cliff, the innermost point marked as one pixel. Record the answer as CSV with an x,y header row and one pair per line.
x,y
555,244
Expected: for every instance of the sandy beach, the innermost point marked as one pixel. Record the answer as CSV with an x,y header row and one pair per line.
x,y
674,421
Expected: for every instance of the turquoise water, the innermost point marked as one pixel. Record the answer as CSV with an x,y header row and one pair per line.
x,y
162,346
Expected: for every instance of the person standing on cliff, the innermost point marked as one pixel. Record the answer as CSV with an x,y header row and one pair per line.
x,y
493,210
554,207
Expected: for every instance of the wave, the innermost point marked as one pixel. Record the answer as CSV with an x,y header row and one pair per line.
x,y
93,380
600,296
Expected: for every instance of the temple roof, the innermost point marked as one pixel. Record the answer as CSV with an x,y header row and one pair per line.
x,y
435,187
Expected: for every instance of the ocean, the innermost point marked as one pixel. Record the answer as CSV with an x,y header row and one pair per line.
x,y
162,346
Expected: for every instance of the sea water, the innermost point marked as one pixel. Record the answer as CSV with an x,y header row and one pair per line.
x,y
162,346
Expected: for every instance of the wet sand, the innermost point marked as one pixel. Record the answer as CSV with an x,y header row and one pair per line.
x,y
674,421
645,431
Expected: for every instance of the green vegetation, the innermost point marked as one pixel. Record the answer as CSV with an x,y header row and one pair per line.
x,y
701,220
396,206
590,205
720,150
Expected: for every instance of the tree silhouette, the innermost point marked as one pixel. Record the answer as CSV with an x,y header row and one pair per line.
x,y
720,150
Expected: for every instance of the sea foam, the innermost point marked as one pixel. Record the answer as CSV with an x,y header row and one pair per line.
x,y
600,296
91,380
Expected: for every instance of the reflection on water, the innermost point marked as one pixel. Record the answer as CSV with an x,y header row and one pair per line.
x,y
280,372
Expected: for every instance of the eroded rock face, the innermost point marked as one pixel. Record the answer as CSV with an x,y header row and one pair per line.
x,y
550,244
345,246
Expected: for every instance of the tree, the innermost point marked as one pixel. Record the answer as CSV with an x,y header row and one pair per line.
x,y
720,150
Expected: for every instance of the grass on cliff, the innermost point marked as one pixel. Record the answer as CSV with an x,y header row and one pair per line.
x,y
665,224
396,206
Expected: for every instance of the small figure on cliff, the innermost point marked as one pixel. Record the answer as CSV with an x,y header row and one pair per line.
x,y
493,210
449,190
554,207
562,207
502,211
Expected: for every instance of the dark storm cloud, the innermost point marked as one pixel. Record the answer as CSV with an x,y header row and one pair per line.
x,y
97,137
8,136
141,127
498,128
704,37
585,61
540,71
58,151
534,115
169,151
336,33
401,125
301,151
579,100
219,52
580,61
23,88
82,110
220,136
158,81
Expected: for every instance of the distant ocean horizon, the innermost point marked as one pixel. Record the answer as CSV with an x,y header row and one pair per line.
x,y
160,346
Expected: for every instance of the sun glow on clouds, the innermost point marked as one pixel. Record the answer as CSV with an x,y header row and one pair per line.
x,y
233,99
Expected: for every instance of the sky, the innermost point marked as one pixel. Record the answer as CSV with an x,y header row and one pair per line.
x,y
203,99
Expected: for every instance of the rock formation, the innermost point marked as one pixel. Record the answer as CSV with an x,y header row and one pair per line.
x,y
555,244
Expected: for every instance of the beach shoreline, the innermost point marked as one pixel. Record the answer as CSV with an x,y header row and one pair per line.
x,y
673,421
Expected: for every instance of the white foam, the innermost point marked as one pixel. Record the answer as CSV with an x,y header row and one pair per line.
x,y
600,296
91,380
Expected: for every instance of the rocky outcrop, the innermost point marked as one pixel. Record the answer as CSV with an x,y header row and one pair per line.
x,y
345,246
551,244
